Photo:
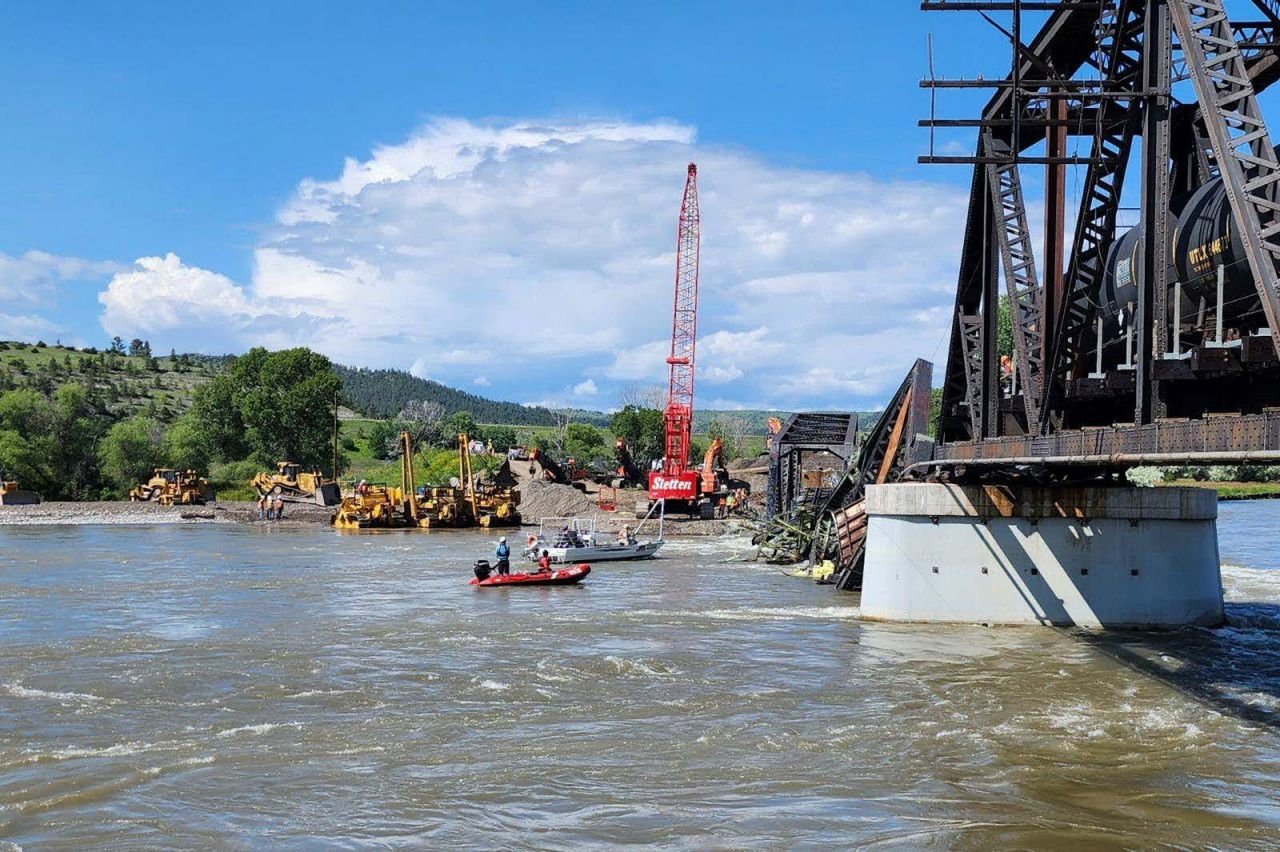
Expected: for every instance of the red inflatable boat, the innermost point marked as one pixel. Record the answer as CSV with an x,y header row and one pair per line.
x,y
554,577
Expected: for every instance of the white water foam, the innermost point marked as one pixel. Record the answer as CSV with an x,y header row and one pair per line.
x,y
17,690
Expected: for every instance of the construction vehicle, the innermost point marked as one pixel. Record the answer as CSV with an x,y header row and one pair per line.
x,y
371,506
12,495
382,506
561,474
678,484
294,485
432,507
626,472
170,487
491,505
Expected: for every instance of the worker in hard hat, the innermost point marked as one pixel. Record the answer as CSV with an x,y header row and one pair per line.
x,y
503,554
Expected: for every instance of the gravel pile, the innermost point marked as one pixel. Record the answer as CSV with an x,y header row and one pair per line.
x,y
541,499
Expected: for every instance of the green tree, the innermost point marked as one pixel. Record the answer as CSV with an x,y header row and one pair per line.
x,y
384,439
26,412
186,444
503,438
643,430
216,410
1004,327
77,427
286,403
458,423
131,450
584,442
24,460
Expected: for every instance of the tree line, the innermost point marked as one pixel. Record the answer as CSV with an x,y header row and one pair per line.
x,y
265,407
385,393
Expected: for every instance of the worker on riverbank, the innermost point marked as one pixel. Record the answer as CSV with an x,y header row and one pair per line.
x,y
262,508
503,554
279,508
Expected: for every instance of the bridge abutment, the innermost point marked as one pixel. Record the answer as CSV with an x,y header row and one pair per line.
x,y
1099,557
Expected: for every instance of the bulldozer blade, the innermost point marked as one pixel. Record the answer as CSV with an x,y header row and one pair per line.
x,y
327,495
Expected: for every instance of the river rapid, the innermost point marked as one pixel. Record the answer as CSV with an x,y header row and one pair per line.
x,y
221,685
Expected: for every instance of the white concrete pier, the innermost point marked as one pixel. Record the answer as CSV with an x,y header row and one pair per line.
x,y
1089,557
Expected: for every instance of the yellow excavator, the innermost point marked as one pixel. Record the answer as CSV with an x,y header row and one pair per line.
x,y
294,485
170,487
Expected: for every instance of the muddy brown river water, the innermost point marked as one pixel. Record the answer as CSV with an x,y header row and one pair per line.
x,y
216,686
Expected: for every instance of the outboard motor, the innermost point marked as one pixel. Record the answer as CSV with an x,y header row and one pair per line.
x,y
483,569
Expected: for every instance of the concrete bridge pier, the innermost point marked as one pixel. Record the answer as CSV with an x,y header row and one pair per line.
x,y
1094,557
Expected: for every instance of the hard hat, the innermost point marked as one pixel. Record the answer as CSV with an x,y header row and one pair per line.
x,y
502,540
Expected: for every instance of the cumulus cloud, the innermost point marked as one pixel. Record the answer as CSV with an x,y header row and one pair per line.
x,y
585,388
533,253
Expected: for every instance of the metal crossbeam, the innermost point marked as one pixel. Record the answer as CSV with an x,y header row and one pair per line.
x,y
971,351
1026,298
1240,140
1121,30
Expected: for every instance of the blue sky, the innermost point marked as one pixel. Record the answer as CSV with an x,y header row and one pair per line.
x,y
194,172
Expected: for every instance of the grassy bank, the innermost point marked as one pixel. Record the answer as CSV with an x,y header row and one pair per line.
x,y
1236,490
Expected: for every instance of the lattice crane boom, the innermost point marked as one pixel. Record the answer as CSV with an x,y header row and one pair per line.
x,y
676,480
684,331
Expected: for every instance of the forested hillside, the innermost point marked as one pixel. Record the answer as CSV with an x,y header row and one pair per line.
x,y
383,393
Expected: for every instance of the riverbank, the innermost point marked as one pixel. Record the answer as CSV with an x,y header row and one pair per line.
x,y
1228,491
124,513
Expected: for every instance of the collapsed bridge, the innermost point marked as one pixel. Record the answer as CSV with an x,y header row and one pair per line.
x,y
1153,344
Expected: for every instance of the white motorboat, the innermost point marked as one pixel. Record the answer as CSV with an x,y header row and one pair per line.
x,y
575,540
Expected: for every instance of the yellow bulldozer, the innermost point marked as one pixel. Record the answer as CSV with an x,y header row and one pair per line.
x,y
372,506
294,485
12,495
170,487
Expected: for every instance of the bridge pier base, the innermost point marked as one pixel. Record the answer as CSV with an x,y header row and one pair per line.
x,y
1098,557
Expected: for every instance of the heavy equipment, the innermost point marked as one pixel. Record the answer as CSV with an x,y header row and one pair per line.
x,y
441,506
170,487
381,506
12,495
678,484
490,505
626,472
372,506
561,474
294,485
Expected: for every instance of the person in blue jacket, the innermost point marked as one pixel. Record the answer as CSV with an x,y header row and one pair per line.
x,y
503,553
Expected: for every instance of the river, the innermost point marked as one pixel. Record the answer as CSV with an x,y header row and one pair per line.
x,y
223,685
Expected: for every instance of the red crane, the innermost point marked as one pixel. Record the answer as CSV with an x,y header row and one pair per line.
x,y
676,481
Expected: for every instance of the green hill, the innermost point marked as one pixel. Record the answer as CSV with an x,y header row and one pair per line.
x,y
383,393
122,385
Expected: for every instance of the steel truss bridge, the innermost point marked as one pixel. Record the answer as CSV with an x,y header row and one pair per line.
x,y
1155,345
1115,361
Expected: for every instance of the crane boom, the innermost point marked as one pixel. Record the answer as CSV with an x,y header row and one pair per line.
x,y
676,480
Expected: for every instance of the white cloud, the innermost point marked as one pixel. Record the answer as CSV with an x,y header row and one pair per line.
x,y
534,252
585,388
35,276
25,327
481,381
